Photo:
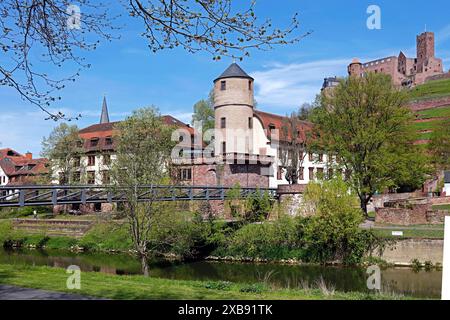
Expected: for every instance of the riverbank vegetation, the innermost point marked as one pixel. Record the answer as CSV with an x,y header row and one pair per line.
x,y
332,234
139,287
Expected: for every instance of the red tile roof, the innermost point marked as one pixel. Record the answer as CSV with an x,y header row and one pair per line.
x,y
16,165
279,122
104,130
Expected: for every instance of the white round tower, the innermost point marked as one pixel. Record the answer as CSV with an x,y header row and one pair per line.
x,y
233,108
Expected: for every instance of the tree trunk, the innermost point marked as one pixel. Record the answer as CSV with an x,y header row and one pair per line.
x,y
145,266
363,203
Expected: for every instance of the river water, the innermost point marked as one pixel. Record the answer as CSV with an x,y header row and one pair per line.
x,y
395,280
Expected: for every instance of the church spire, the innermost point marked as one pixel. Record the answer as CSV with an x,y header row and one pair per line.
x,y
104,118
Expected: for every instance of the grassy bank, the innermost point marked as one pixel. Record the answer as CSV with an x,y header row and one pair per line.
x,y
432,89
139,287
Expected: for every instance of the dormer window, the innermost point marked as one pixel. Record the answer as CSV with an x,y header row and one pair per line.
x,y
223,85
108,141
94,142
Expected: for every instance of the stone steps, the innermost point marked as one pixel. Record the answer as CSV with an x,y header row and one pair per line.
x,y
53,227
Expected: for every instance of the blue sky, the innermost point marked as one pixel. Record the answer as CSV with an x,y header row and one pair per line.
x,y
131,76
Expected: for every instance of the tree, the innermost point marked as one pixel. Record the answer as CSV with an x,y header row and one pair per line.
x,y
332,232
204,112
56,31
36,34
364,123
64,149
143,158
293,148
439,146
304,111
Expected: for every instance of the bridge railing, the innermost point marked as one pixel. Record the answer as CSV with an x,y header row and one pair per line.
x,y
47,195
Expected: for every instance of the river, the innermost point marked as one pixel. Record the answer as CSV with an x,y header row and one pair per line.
x,y
404,281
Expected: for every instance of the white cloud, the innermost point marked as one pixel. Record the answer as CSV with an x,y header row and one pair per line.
x,y
290,85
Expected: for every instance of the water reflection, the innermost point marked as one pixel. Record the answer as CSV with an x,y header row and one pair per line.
x,y
397,280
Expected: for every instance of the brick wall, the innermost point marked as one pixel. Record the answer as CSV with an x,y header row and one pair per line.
x,y
247,175
429,104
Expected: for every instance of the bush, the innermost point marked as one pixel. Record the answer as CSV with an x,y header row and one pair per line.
x,y
218,285
332,232
36,240
258,206
271,240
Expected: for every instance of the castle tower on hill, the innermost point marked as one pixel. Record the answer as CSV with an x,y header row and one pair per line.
x,y
405,71
233,108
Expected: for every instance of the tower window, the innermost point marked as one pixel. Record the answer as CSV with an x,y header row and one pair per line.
x,y
250,122
249,85
223,85
223,123
224,147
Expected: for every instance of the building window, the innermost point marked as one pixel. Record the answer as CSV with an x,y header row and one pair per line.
x,y
300,174
108,141
106,178
91,160
310,156
77,162
330,173
280,173
61,178
94,142
250,122
223,123
320,157
185,174
106,159
249,85
320,173
76,178
224,147
223,85
91,177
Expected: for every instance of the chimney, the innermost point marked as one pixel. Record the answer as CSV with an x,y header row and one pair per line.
x,y
29,155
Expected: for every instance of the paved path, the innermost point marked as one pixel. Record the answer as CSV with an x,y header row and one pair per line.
x,y
19,293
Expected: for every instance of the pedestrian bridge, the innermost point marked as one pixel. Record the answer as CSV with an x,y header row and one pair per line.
x,y
45,195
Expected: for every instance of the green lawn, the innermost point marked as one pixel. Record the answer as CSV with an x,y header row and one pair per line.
x,y
440,112
431,125
441,207
411,233
138,287
432,89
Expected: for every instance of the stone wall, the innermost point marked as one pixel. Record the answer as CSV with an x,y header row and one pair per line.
x,y
438,77
429,103
422,249
402,216
439,200
291,197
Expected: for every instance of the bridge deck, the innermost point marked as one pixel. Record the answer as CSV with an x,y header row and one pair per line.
x,y
59,195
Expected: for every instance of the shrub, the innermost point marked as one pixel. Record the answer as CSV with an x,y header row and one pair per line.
x,y
258,206
253,288
36,240
218,285
332,232
234,201
270,240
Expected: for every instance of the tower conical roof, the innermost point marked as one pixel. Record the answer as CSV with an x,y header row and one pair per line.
x,y
104,118
233,71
